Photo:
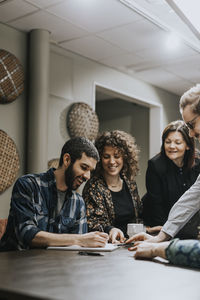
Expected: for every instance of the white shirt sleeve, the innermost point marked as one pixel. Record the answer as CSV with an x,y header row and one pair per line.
x,y
183,210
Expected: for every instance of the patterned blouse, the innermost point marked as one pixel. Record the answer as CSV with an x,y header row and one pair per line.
x,y
184,253
99,204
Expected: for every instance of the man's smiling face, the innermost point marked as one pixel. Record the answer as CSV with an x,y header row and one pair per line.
x,y
79,171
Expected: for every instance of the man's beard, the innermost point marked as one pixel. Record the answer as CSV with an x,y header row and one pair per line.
x,y
69,177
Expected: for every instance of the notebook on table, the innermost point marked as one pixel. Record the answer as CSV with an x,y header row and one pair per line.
x,y
107,248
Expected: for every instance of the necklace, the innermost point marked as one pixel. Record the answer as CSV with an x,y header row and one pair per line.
x,y
116,185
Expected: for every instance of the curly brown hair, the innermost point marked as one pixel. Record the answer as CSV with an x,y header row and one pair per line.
x,y
125,143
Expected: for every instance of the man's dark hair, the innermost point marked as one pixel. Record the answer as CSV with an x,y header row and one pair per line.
x,y
75,147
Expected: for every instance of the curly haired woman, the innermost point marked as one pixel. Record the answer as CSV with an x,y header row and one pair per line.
x,y
111,195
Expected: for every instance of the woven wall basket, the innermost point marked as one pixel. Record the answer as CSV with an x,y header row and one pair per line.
x,y
11,77
9,161
82,121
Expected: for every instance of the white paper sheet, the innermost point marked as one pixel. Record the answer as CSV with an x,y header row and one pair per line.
x,y
107,248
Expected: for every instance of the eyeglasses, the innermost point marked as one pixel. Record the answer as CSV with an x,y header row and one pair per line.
x,y
191,124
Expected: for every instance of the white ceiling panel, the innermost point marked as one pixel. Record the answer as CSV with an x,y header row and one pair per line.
x,y
187,68
92,47
44,3
135,36
156,75
160,52
165,80
143,27
132,41
162,12
122,60
176,86
14,9
144,65
60,30
94,15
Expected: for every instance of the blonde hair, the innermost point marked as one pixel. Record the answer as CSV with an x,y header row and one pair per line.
x,y
192,98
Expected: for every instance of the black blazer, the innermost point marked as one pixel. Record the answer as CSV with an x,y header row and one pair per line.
x,y
165,184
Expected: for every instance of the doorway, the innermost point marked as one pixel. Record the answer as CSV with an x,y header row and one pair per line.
x,y
116,111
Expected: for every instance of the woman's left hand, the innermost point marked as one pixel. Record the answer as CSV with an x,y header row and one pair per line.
x,y
116,236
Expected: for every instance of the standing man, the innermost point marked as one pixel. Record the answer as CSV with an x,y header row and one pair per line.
x,y
45,209
189,203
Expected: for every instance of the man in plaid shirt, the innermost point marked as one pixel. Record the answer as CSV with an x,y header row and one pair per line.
x,y
45,208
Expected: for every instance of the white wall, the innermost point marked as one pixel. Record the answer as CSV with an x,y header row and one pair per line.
x,y
13,115
77,81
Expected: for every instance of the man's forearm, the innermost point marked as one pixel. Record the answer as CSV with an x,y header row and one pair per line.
x,y
93,239
45,239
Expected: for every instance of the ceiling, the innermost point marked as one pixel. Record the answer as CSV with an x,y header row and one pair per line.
x,y
130,36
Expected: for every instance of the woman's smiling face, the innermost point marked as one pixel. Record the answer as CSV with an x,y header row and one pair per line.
x,y
112,161
175,147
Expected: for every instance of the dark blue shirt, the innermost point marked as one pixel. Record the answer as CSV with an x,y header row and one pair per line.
x,y
33,203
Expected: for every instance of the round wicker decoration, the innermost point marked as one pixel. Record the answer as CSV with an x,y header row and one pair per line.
x,y
9,161
82,121
53,163
11,77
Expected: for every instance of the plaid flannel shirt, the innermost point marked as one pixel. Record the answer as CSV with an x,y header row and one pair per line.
x,y
33,202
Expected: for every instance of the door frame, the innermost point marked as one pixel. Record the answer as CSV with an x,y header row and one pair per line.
x,y
155,113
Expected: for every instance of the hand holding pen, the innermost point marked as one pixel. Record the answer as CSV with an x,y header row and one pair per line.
x,y
100,228
115,235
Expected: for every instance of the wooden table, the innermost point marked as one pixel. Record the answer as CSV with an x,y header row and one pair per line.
x,y
59,275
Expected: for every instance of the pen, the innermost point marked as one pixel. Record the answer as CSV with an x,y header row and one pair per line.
x,y
90,253
100,228
126,245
